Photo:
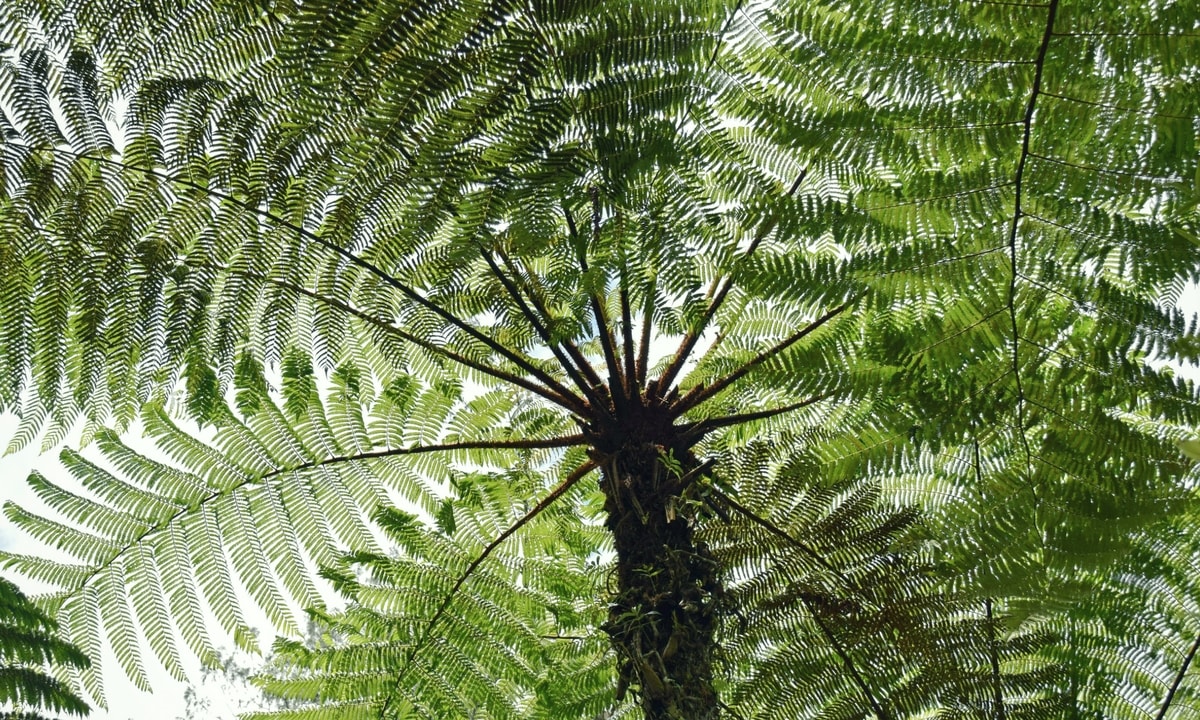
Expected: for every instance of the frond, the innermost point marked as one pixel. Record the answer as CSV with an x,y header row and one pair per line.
x,y
915,266
519,625
31,655
159,543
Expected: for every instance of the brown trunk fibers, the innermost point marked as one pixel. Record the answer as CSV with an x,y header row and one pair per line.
x,y
663,617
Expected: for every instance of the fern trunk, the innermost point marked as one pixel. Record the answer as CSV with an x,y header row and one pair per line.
x,y
663,618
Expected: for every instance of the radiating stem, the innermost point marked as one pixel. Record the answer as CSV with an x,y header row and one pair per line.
x,y
522,444
1187,660
780,533
701,393
851,668
632,391
581,362
718,293
576,475
699,428
568,402
601,318
540,328
994,656
387,278
647,327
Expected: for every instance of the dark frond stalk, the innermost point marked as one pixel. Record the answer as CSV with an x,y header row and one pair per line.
x,y
573,638
632,391
736,715
540,328
780,533
521,444
720,43
601,317
700,393
702,427
252,480
994,657
718,293
571,348
576,475
567,402
855,675
1187,660
611,356
1112,106
387,278
643,359
1018,187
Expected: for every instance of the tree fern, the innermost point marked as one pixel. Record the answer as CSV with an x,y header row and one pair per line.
x,y
837,321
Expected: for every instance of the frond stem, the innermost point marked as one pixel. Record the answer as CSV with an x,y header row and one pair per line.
x,y
993,655
387,278
721,36
1103,170
780,533
576,475
567,402
598,314
731,711
700,393
581,362
524,444
1018,186
538,326
718,298
647,324
945,196
960,126
611,354
632,391
1111,106
562,637
1187,660
702,427
857,677
251,480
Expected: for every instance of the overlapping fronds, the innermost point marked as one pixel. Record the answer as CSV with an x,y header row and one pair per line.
x,y
517,639
929,252
852,602
285,488
31,654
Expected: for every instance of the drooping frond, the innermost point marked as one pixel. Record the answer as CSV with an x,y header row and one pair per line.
x,y
285,487
520,639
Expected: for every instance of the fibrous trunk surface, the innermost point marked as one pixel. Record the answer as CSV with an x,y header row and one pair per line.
x,y
662,620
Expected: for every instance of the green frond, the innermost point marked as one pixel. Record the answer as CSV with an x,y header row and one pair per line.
x,y
32,654
497,652
870,300
273,498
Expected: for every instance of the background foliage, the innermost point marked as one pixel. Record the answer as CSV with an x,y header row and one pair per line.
x,y
29,650
917,257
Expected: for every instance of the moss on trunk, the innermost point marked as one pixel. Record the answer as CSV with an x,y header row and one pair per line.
x,y
663,618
